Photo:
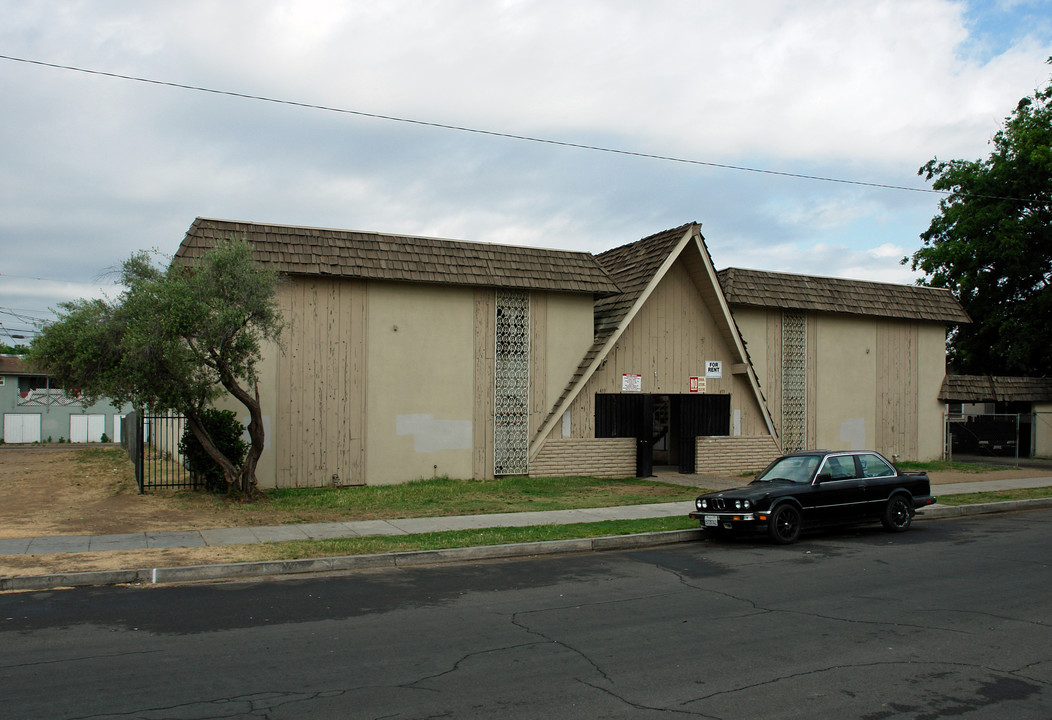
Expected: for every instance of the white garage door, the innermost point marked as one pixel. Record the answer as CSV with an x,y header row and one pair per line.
x,y
21,428
86,428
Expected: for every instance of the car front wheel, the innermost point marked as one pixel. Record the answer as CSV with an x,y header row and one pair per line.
x,y
784,525
898,515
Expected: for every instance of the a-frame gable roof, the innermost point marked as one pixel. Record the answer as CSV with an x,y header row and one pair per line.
x,y
375,256
638,268
632,267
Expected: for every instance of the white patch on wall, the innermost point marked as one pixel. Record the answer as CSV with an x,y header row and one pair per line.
x,y
736,423
566,424
853,434
431,435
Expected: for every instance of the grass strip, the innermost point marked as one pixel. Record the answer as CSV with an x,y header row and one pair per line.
x,y
436,497
949,466
297,549
993,496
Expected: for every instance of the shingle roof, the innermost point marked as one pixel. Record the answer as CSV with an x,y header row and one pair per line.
x,y
759,288
375,256
632,267
15,365
10,365
995,388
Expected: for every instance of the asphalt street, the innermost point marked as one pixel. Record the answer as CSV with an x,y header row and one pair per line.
x,y
951,619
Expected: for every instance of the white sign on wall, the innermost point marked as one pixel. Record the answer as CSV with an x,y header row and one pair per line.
x,y
631,383
713,368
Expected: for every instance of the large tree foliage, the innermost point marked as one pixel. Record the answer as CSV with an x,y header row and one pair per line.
x,y
177,338
991,244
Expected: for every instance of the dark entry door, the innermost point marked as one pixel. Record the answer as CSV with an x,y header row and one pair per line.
x,y
628,415
697,416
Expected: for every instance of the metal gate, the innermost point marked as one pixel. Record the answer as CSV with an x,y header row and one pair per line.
x,y
152,442
699,416
624,416
631,415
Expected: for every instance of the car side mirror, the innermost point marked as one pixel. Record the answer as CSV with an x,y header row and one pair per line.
x,y
824,477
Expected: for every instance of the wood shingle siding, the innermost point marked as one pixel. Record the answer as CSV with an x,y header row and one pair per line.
x,y
320,400
374,256
897,391
759,288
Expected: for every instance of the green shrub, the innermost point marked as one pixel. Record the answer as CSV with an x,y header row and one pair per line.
x,y
105,438
225,430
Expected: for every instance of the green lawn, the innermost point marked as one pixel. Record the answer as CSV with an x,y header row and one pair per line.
x,y
444,496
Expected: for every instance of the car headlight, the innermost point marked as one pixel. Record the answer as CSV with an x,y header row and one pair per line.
x,y
746,505
737,504
702,504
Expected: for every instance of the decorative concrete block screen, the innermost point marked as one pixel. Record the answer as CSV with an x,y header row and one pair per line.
x,y
511,391
794,381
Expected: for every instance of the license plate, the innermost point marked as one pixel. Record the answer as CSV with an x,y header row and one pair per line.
x,y
712,521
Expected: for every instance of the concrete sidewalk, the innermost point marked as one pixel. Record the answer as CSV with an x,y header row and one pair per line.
x,y
410,526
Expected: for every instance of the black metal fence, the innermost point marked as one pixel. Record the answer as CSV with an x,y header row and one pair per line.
x,y
152,443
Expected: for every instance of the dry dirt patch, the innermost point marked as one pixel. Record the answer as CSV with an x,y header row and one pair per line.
x,y
73,491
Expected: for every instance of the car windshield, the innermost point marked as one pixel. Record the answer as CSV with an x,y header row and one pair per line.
x,y
795,468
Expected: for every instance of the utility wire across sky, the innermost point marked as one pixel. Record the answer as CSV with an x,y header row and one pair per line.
x,y
476,131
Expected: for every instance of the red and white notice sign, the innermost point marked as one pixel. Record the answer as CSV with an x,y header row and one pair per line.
x,y
631,383
697,384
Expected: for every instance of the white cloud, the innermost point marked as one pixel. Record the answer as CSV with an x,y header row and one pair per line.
x,y
888,250
97,167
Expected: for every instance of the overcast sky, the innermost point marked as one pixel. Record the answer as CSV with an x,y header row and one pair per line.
x,y
93,168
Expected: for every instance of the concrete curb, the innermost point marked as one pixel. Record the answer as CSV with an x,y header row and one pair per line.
x,y
936,512
233,571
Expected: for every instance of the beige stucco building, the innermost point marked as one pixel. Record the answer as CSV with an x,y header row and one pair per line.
x,y
848,364
408,357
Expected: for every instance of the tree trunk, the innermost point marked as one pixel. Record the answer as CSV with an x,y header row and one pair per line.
x,y
230,471
255,430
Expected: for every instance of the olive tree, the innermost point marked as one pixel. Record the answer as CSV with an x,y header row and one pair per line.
x,y
177,338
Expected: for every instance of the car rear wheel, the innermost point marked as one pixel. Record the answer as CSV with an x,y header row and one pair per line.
x,y
784,525
898,515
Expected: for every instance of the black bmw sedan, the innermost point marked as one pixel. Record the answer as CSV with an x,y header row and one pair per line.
x,y
816,488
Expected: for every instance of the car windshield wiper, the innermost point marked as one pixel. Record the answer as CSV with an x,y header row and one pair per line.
x,y
773,479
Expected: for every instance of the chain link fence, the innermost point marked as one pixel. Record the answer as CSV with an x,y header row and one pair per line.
x,y
1007,435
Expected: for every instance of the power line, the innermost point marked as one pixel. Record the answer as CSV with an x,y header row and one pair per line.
x,y
24,317
477,131
18,333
